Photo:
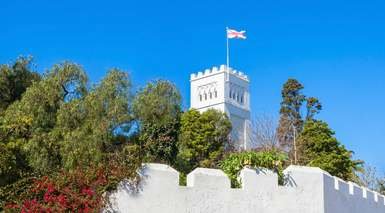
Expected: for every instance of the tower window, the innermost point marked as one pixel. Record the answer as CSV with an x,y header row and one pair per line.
x,y
211,95
205,96
242,99
215,94
230,94
200,97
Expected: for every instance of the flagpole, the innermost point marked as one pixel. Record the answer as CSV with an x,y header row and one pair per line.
x,y
227,51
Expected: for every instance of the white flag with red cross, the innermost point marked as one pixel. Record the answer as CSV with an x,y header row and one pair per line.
x,y
236,34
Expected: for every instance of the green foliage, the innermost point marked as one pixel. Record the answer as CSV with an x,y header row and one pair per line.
x,y
13,164
17,190
158,101
291,120
14,80
234,163
60,122
7,164
202,139
88,125
319,148
30,122
157,108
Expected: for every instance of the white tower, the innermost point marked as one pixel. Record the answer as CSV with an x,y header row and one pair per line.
x,y
228,91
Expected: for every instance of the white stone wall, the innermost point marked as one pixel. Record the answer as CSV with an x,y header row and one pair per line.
x,y
308,190
226,90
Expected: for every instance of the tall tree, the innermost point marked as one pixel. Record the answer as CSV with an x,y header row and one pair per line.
x,y
158,108
291,122
88,126
319,148
27,124
15,79
61,122
203,138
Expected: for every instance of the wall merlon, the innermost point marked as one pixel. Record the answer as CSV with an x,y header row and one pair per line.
x,y
341,185
208,178
369,195
258,179
355,189
164,173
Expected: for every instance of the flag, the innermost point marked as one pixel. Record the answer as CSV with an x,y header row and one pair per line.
x,y
235,34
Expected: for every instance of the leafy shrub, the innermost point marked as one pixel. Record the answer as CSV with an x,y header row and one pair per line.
x,y
78,190
234,163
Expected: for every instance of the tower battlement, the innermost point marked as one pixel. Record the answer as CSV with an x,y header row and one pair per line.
x,y
215,70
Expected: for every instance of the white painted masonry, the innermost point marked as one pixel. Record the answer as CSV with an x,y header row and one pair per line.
x,y
226,90
307,190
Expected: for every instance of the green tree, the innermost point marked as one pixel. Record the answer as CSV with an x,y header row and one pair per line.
x,y
319,148
14,80
157,107
60,121
26,125
291,120
89,126
202,139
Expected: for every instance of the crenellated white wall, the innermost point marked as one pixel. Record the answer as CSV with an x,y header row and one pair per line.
x,y
308,190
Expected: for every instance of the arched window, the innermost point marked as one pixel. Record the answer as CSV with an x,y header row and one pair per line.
x,y
242,99
205,96
210,95
230,94
200,97
215,94
237,96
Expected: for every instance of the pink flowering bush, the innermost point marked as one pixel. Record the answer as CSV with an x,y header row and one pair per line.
x,y
80,190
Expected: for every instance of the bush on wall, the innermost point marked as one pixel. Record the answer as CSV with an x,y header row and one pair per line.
x,y
234,163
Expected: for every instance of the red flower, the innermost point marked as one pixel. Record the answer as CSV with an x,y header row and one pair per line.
x,y
47,197
62,200
87,191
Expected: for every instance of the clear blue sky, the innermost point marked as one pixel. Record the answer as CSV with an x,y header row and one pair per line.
x,y
335,48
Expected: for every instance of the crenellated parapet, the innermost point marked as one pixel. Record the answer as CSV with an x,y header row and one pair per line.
x,y
216,70
307,190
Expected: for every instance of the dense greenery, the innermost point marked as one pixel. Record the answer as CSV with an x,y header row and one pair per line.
x,y
319,148
203,139
234,163
60,123
158,109
64,142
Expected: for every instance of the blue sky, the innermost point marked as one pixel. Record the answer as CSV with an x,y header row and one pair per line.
x,y
335,48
